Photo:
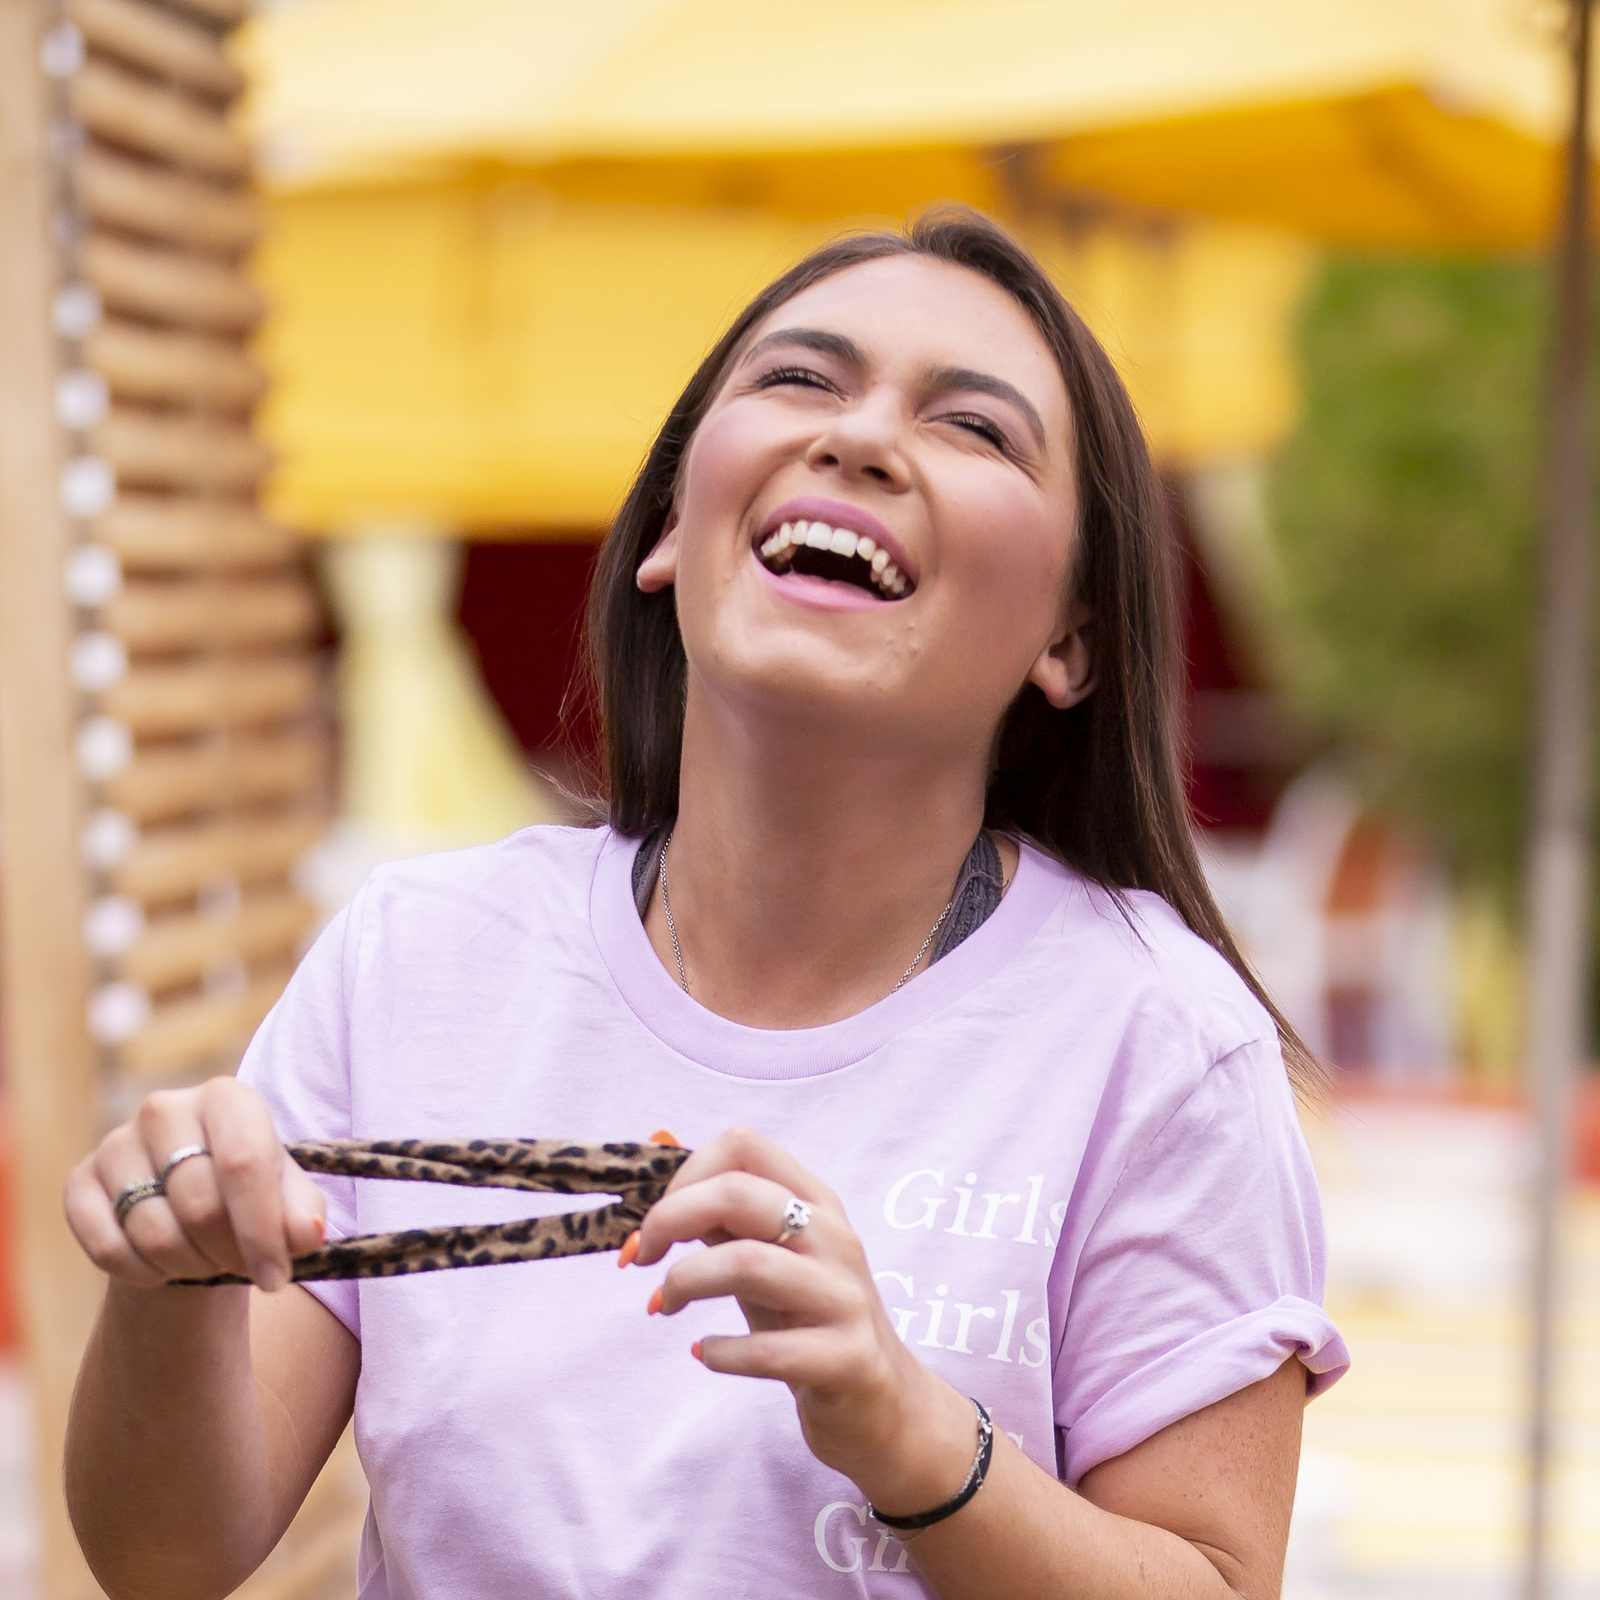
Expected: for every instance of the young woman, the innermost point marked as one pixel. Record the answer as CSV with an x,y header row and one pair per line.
x,y
997,1267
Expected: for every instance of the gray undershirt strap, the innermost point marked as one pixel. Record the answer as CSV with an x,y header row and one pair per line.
x,y
979,885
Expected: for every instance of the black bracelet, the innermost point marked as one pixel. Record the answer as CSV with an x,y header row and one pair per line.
x,y
975,1476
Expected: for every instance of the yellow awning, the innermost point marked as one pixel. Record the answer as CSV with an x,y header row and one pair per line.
x,y
1422,122
504,232
483,356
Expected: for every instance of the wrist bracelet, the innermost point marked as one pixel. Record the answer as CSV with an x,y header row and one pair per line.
x,y
978,1471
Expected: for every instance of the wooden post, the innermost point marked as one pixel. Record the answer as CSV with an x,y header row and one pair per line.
x,y
51,1067
1560,844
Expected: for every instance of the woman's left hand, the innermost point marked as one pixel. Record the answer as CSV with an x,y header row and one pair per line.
x,y
817,1321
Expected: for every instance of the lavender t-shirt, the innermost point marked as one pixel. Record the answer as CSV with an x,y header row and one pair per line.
x,y
1073,1159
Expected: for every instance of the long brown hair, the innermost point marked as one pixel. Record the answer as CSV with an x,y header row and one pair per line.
x,y
1098,785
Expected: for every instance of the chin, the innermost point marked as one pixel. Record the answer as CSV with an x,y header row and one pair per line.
x,y
791,686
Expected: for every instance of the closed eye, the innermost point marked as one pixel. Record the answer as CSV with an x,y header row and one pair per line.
x,y
980,425
814,380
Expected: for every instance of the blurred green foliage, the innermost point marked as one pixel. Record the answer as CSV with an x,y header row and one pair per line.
x,y
1406,511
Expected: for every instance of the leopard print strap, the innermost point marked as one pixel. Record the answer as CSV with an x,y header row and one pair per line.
x,y
639,1173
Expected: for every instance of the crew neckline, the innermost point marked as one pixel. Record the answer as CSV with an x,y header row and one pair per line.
x,y
681,1022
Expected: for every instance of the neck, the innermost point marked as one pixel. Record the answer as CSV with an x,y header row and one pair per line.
x,y
805,876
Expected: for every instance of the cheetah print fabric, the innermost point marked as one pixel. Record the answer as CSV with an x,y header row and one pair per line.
x,y
639,1173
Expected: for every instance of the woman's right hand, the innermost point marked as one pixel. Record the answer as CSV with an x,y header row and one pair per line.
x,y
245,1208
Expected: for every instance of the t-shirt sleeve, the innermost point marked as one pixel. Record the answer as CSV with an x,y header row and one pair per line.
x,y
299,1062
1203,1272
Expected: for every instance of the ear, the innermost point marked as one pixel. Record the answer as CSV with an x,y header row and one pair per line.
x,y
660,567
1064,670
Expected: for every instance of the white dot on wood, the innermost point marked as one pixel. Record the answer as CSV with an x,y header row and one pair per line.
x,y
61,51
111,924
117,1011
98,661
76,311
107,838
88,486
81,399
105,747
94,575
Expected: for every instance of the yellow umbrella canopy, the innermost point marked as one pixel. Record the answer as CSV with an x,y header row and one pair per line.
x,y
1425,122
503,232
482,356
461,342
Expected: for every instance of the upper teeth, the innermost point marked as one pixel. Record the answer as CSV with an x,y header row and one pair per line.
x,y
842,542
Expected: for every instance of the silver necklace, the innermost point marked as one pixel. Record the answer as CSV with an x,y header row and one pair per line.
x,y
677,953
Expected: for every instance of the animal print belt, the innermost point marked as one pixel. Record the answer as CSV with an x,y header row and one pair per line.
x,y
639,1173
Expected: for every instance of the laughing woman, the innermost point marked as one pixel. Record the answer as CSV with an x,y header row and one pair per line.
x,y
997,1266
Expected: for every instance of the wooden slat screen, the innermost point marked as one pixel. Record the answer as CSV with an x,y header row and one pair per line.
x,y
190,740
194,663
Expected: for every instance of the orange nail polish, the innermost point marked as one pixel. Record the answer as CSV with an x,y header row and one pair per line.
x,y
694,1350
630,1248
655,1301
661,1136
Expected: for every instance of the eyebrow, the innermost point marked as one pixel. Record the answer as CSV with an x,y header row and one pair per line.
x,y
847,350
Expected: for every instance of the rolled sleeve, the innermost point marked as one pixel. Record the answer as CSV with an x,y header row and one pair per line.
x,y
1204,1271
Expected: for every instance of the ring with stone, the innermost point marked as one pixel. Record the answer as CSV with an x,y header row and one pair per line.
x,y
182,1154
796,1215
144,1189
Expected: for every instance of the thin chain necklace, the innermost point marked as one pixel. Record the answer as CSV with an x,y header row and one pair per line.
x,y
672,928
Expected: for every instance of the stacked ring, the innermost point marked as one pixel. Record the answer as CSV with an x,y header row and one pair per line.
x,y
144,1189
182,1154
149,1188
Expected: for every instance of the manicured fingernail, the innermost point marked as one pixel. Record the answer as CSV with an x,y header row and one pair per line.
x,y
630,1249
322,1230
655,1301
694,1350
661,1136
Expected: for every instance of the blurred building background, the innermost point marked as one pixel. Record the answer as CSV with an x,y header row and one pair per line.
x,y
497,237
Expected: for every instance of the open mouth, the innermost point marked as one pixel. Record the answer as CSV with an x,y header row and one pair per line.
x,y
817,550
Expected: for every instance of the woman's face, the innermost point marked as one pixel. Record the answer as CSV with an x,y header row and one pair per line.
x,y
919,400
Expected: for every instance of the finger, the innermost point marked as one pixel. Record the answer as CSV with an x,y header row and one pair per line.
x,y
761,1275
148,1225
815,1357
166,1122
745,1150
248,1157
92,1219
727,1205
305,1208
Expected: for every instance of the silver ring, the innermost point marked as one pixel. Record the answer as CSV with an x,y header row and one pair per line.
x,y
796,1215
182,1154
144,1189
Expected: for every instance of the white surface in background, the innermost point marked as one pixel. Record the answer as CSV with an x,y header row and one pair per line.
x,y
18,1538
1427,1205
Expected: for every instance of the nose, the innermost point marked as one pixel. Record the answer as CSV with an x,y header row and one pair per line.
x,y
862,441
